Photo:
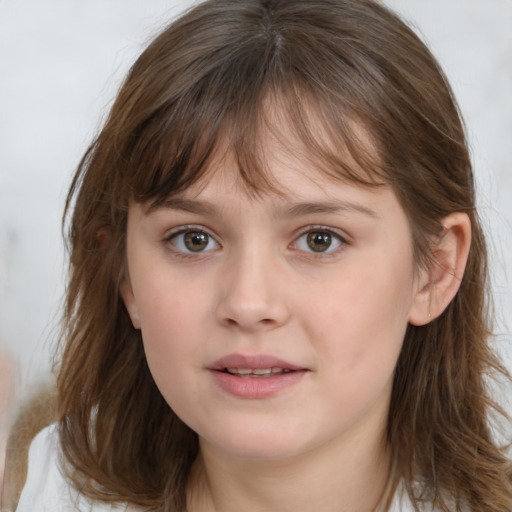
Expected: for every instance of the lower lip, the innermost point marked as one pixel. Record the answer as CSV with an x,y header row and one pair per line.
x,y
256,387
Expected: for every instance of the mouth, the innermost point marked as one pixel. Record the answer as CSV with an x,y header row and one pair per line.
x,y
258,373
254,366
255,376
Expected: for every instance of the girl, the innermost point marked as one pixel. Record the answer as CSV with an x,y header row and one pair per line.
x,y
277,296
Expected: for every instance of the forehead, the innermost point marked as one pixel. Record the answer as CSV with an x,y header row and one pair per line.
x,y
281,160
287,175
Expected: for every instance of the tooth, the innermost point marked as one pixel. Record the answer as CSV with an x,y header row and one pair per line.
x,y
240,371
262,371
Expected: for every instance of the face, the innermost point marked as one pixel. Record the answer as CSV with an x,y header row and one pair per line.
x,y
272,325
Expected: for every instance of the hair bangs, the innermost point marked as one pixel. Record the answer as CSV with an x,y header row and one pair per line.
x,y
327,133
181,144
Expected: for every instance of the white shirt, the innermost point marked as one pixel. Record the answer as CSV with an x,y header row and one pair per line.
x,y
46,489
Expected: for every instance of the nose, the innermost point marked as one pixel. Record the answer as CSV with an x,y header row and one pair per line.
x,y
252,292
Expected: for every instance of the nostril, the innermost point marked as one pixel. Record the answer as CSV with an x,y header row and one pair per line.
x,y
263,322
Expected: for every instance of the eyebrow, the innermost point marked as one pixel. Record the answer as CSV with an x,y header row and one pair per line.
x,y
202,207
187,205
310,208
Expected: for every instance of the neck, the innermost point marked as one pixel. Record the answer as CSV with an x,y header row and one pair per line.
x,y
348,475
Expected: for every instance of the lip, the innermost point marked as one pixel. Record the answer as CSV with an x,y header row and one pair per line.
x,y
255,387
252,361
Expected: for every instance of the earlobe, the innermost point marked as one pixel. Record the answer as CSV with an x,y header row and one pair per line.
x,y
126,292
441,281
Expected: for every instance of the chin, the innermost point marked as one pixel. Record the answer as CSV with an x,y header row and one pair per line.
x,y
259,450
247,442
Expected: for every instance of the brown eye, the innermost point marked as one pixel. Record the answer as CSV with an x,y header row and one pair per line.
x,y
319,241
196,241
193,241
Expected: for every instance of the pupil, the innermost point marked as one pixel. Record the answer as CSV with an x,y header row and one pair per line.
x,y
196,241
319,242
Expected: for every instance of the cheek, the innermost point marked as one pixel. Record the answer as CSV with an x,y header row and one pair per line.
x,y
168,305
166,321
360,322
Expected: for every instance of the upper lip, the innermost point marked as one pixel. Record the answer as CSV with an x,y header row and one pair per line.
x,y
252,362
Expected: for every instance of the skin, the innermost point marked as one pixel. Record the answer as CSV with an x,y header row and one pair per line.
x,y
258,288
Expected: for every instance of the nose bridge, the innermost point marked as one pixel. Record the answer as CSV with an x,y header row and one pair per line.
x,y
251,294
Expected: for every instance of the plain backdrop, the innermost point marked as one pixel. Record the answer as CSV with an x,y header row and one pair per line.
x,y
61,62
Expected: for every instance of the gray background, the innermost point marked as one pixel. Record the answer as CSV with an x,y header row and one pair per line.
x,y
60,64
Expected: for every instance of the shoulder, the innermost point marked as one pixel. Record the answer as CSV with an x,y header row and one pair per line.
x,y
46,489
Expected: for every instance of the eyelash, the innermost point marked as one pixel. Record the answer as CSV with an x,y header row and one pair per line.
x,y
182,252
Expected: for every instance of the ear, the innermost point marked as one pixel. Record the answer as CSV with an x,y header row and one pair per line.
x,y
439,283
126,292
104,237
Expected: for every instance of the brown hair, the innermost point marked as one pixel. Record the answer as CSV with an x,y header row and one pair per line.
x,y
208,78
36,413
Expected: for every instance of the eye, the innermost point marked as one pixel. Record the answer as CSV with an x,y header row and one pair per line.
x,y
193,240
318,241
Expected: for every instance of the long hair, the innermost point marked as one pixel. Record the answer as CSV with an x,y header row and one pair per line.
x,y
208,79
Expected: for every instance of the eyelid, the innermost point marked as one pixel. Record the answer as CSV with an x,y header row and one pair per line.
x,y
183,228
